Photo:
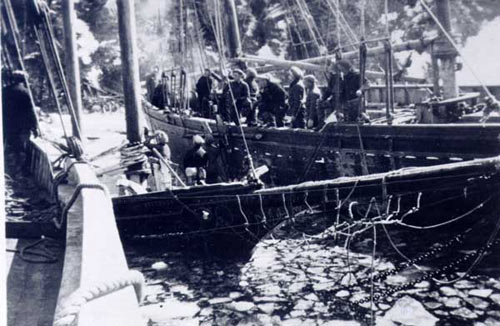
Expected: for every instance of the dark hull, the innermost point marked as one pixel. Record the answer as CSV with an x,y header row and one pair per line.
x,y
295,155
433,195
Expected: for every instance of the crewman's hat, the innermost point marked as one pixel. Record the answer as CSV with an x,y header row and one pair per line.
x,y
18,76
310,78
344,64
238,71
198,140
264,77
161,137
251,72
297,72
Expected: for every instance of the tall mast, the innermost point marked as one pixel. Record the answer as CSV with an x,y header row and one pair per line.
x,y
72,64
233,32
444,51
130,69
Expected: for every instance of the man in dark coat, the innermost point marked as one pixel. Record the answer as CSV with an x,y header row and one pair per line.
x,y
272,102
331,93
254,93
161,97
296,98
350,91
237,96
204,88
151,82
314,113
19,120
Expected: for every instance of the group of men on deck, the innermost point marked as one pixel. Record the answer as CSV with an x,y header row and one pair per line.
x,y
263,101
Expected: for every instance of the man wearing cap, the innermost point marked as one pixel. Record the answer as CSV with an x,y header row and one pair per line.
x,y
236,96
253,87
161,177
161,95
314,112
272,102
296,97
195,162
204,90
19,120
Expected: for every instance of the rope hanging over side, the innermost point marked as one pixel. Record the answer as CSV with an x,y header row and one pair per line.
x,y
77,300
222,64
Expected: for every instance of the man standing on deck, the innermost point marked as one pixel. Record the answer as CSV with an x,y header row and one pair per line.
x,y
204,90
160,178
272,102
151,82
237,96
296,97
254,92
195,162
332,92
161,95
19,120
314,112
350,92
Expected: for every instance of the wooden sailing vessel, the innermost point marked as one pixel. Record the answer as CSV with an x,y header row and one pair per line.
x,y
338,149
447,193
295,155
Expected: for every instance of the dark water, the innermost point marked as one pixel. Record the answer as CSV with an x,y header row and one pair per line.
x,y
298,279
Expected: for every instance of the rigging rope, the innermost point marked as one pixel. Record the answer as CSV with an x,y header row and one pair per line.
x,y
334,6
44,12
291,15
311,25
222,64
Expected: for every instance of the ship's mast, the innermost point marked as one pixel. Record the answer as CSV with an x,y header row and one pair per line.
x,y
130,69
444,55
72,64
233,32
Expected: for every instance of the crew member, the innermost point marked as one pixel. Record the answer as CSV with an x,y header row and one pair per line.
x,y
161,98
332,92
204,88
237,96
314,112
350,92
195,162
215,167
254,92
151,82
160,178
296,97
19,120
272,102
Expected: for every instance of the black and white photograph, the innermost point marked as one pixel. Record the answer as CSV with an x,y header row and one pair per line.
x,y
250,163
